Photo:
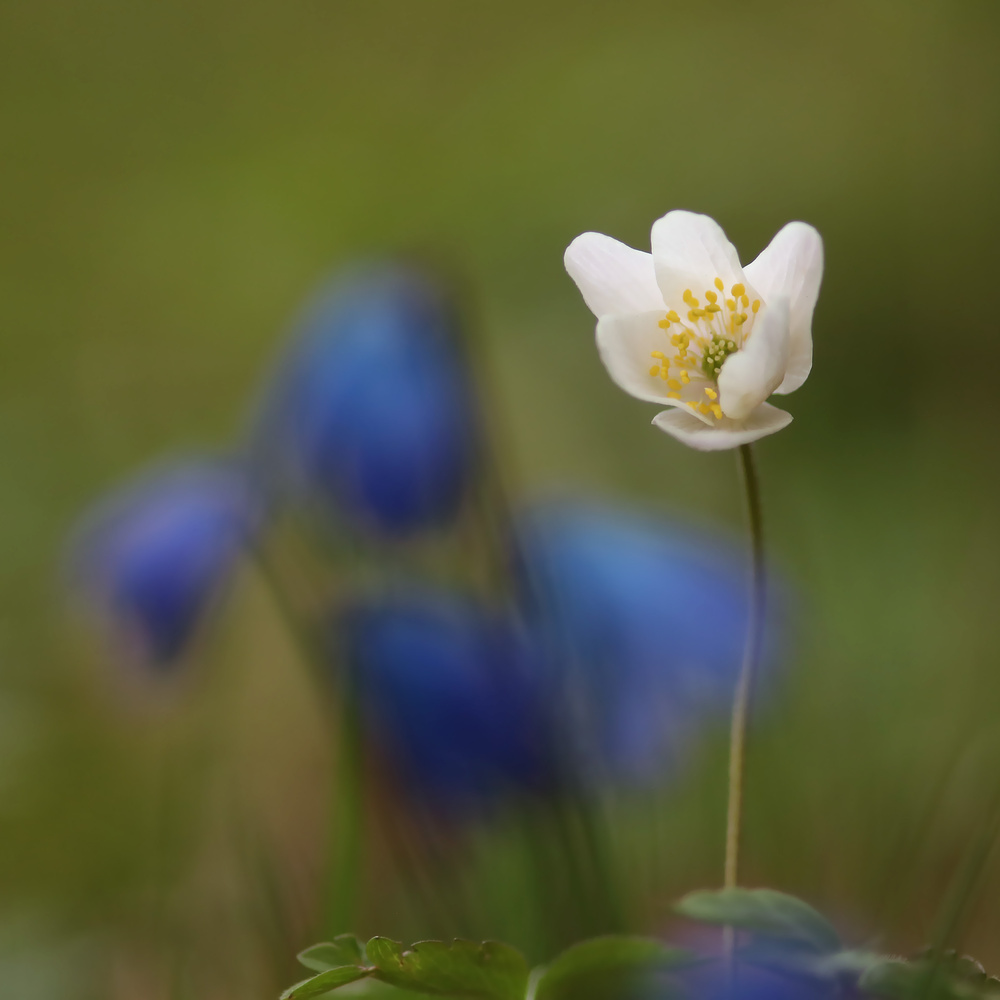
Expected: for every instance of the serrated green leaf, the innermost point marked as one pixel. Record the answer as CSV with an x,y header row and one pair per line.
x,y
490,970
605,966
764,911
345,949
325,982
947,978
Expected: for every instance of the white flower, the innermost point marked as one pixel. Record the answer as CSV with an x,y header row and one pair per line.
x,y
689,328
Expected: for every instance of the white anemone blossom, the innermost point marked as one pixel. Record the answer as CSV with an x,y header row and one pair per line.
x,y
687,327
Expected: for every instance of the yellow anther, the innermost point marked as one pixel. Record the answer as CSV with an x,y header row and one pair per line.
x,y
717,410
710,295
673,395
740,319
713,308
731,305
690,299
756,304
695,314
663,324
681,339
745,301
718,284
659,355
655,370
738,290
674,384
704,408
685,378
665,374
673,317
711,393
693,404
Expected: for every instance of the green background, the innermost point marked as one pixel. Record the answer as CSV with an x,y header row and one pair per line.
x,y
177,177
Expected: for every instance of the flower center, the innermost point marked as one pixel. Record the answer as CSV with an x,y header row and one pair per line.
x,y
716,352
702,341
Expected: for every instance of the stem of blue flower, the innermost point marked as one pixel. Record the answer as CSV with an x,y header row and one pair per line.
x,y
345,824
744,685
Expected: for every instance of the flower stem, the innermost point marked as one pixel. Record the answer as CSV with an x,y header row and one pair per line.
x,y
346,822
744,684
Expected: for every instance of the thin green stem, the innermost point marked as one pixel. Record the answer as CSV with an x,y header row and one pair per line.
x,y
744,684
346,833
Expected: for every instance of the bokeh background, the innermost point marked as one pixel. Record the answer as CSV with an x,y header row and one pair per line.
x,y
176,179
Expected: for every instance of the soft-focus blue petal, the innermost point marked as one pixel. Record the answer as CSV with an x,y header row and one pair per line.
x,y
373,412
647,618
453,694
152,557
711,981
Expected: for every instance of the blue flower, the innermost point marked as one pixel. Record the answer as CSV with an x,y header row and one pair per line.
x,y
711,981
647,619
453,694
373,412
153,557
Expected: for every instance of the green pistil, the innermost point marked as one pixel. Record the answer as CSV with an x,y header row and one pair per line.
x,y
715,354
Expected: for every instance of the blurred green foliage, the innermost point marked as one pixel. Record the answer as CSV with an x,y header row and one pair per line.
x,y
178,176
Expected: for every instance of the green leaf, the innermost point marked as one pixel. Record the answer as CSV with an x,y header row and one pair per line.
x,y
345,949
490,970
764,911
605,966
942,978
325,982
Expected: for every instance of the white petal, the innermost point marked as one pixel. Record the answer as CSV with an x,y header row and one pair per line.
x,y
690,251
626,344
612,277
750,375
791,266
723,434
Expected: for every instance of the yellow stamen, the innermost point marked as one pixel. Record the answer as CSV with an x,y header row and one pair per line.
x,y
663,324
745,301
713,308
673,317
704,408
685,378
738,290
655,370
711,393
657,354
717,410
756,304
690,299
673,395
711,296
719,285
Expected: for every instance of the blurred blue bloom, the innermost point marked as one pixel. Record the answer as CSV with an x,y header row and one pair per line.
x,y
373,411
454,694
152,557
647,619
711,981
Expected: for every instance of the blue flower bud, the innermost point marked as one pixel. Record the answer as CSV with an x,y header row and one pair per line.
x,y
453,695
373,414
152,558
648,621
